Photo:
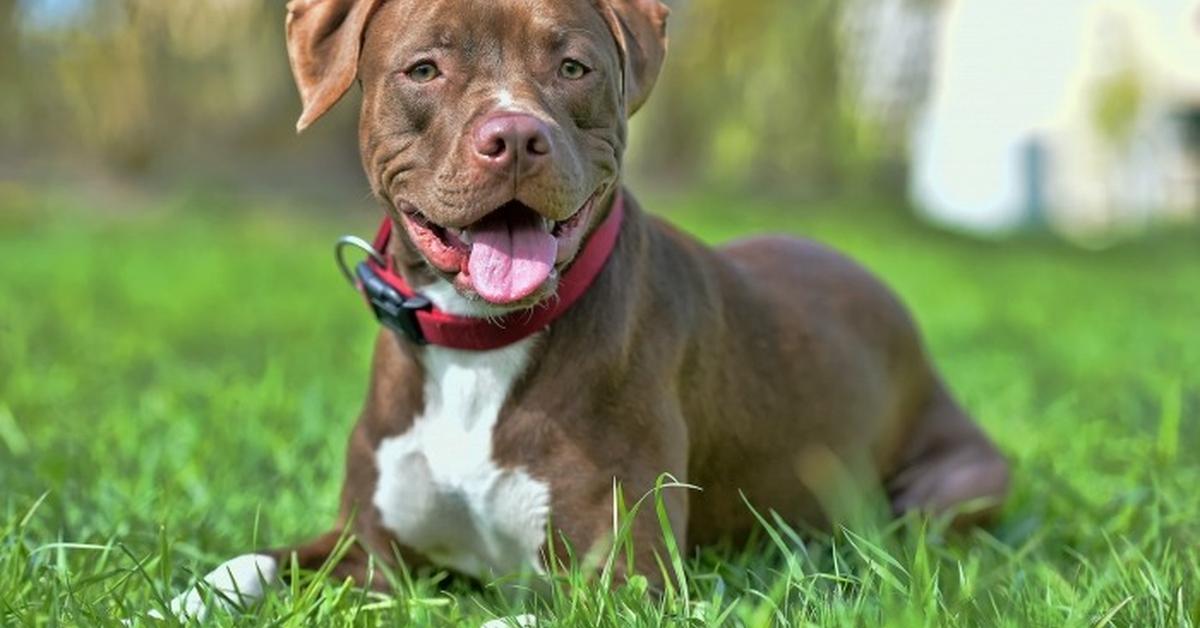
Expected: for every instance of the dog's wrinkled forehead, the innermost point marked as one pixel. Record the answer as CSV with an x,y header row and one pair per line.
x,y
325,37
486,34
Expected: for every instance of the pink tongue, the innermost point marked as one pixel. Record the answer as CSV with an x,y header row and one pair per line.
x,y
511,256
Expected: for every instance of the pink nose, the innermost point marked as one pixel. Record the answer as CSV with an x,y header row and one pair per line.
x,y
506,138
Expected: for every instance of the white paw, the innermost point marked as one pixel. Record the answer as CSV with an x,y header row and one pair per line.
x,y
516,621
236,584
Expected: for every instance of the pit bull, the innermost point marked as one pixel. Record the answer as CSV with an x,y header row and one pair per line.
x,y
548,342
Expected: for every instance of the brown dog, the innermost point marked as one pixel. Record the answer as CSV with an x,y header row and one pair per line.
x,y
492,131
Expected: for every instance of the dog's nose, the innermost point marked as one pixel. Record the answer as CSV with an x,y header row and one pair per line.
x,y
506,138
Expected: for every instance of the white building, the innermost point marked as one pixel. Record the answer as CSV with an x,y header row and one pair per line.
x,y
1080,114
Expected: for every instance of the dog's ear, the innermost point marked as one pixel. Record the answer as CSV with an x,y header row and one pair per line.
x,y
640,27
324,38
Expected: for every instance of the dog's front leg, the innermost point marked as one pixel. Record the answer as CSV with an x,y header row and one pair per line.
x,y
598,522
242,582
236,584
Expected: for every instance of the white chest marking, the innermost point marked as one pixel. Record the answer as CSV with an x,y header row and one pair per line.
x,y
439,490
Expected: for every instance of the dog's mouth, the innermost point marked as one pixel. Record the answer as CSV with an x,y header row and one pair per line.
x,y
506,257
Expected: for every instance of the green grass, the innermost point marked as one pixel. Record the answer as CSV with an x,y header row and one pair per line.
x,y
176,386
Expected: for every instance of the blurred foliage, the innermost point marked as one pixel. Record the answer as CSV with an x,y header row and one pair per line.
x,y
126,82
763,93
1116,105
754,93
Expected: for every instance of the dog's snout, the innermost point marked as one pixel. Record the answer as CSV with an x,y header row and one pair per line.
x,y
508,138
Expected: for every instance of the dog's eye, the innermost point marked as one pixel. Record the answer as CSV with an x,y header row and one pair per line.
x,y
423,72
572,70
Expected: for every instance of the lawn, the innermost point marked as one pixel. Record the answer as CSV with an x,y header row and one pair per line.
x,y
177,382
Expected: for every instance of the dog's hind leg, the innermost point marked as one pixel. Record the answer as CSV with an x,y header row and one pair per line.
x,y
949,467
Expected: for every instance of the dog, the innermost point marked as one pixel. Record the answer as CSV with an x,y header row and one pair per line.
x,y
548,343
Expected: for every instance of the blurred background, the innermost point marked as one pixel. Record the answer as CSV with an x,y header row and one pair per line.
x,y
1079,116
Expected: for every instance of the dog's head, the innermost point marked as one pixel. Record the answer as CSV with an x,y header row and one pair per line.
x,y
493,130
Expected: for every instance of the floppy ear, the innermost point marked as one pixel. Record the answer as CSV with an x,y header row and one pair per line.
x,y
324,38
641,31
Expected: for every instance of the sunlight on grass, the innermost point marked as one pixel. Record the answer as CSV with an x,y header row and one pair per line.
x,y
177,385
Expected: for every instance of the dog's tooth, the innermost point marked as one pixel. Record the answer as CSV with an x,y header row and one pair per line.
x,y
465,236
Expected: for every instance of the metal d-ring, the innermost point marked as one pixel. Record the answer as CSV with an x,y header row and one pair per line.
x,y
358,243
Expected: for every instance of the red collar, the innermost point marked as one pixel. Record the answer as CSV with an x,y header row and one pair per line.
x,y
401,308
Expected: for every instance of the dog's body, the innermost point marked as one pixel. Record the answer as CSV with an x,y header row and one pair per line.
x,y
772,367
768,367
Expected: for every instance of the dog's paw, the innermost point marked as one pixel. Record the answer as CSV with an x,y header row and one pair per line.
x,y
516,621
236,584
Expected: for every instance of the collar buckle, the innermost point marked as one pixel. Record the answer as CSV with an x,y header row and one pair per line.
x,y
394,310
